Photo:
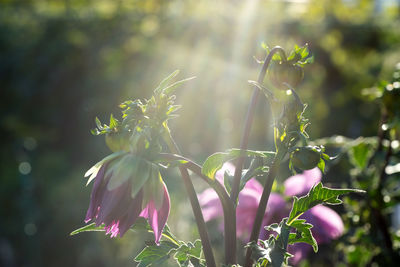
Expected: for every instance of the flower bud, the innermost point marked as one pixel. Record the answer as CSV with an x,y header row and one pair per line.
x,y
306,158
118,141
285,72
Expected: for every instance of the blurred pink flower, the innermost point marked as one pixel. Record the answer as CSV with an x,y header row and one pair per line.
x,y
117,201
246,210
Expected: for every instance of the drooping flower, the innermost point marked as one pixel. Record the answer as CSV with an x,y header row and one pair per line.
x,y
246,210
126,187
327,224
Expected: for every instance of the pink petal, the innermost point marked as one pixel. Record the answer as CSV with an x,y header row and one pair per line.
x,y
327,223
158,218
300,184
210,204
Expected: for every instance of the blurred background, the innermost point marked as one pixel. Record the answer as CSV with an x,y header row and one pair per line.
x,y
63,62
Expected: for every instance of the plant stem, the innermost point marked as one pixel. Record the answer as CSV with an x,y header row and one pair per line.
x,y
249,120
255,232
198,215
227,205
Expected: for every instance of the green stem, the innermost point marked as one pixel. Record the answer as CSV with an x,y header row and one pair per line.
x,y
249,119
255,232
227,205
198,215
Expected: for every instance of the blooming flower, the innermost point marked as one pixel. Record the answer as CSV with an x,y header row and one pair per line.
x,y
327,224
127,187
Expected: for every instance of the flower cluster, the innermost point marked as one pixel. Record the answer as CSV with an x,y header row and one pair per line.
x,y
327,223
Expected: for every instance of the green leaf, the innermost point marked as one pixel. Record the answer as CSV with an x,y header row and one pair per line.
x,y
98,124
360,154
113,122
141,176
123,170
317,195
272,250
155,255
166,80
92,172
141,225
171,88
321,165
303,234
189,254
215,162
256,168
88,228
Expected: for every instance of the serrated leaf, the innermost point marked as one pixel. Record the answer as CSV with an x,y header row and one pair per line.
x,y
303,234
88,228
317,195
155,255
215,162
188,252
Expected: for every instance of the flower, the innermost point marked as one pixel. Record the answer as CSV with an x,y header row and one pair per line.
x,y
246,210
126,187
327,224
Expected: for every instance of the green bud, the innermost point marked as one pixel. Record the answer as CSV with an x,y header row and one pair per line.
x,y
117,141
306,158
285,72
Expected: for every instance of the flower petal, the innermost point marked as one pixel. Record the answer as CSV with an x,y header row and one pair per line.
x,y
132,213
96,195
327,223
158,218
300,184
210,204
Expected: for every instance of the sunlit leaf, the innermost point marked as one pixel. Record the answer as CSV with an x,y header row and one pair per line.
x,y
317,195
88,228
215,162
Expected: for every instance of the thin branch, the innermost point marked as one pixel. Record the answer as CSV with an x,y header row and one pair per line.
x,y
227,205
198,215
249,119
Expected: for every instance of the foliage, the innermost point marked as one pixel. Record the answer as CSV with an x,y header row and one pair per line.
x,y
64,62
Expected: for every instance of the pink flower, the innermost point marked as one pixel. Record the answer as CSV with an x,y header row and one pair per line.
x,y
127,187
246,210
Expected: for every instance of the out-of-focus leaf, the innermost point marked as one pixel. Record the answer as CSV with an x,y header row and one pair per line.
x,y
155,255
360,154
